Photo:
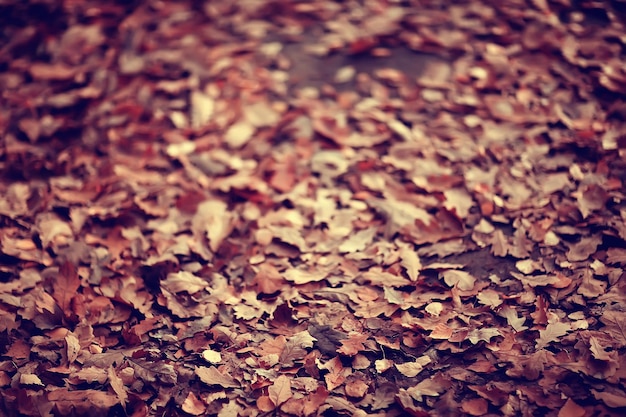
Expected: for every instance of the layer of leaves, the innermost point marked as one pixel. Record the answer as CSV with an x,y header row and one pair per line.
x,y
312,208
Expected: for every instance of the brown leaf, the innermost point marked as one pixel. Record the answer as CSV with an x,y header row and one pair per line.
x,y
571,409
475,406
314,400
72,346
353,344
615,325
611,399
356,388
150,371
118,386
81,402
461,279
552,333
212,376
42,71
280,391
65,285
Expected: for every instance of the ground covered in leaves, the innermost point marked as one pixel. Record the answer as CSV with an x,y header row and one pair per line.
x,y
305,208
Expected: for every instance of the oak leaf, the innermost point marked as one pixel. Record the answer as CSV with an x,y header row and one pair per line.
x,y
412,369
552,333
485,335
611,399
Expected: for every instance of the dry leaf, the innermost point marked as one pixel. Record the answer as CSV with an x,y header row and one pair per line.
x,y
280,391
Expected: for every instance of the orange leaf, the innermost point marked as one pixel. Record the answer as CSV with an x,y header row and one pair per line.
x,y
353,344
571,409
192,405
265,404
315,400
475,406
441,331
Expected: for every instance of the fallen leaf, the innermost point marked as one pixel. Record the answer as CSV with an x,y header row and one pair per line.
x,y
65,285
552,333
461,279
192,405
212,376
280,391
475,406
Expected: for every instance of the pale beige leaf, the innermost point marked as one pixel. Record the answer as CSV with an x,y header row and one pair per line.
x,y
489,298
410,262
463,280
211,356
239,134
177,282
30,379
202,108
411,369
517,323
299,276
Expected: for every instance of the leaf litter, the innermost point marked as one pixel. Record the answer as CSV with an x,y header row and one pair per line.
x,y
312,208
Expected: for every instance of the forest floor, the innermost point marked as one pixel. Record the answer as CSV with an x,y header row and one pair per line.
x,y
312,208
